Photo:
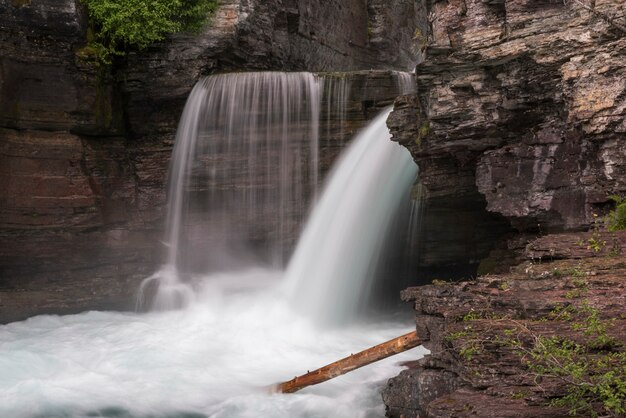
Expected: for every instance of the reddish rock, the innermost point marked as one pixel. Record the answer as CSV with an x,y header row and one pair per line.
x,y
493,380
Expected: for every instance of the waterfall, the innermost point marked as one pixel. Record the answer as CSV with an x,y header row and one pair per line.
x,y
336,258
244,170
244,162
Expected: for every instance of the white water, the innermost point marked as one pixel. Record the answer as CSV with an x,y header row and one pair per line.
x,y
210,359
331,271
250,142
244,169
244,162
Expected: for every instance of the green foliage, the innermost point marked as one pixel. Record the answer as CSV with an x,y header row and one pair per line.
x,y
595,244
469,351
123,24
593,372
472,315
580,288
591,364
616,219
423,132
459,334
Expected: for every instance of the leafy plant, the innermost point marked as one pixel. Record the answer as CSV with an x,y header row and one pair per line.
x,y
595,244
616,219
591,364
593,372
120,25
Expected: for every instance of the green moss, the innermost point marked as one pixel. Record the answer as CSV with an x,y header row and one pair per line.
x,y
422,133
421,40
21,3
486,266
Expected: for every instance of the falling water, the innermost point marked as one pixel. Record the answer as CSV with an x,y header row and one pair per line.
x,y
337,94
336,258
406,82
244,163
244,170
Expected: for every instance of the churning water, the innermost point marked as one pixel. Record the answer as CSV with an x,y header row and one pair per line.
x,y
241,329
212,359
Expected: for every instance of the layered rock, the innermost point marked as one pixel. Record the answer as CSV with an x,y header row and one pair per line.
x,y
481,334
518,121
524,103
520,111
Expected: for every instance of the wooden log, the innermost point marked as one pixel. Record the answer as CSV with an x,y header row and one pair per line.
x,y
345,365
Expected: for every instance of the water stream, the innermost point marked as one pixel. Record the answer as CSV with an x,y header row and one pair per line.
x,y
241,327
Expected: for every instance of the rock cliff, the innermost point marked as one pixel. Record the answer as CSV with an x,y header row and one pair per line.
x,y
519,125
519,116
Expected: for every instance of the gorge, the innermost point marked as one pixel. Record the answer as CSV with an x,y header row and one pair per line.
x,y
516,124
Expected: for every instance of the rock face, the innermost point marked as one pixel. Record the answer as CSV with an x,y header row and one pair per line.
x,y
474,369
520,110
518,125
288,35
84,153
524,102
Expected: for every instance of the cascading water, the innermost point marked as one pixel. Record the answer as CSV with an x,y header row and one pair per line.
x,y
336,259
245,160
212,358
244,167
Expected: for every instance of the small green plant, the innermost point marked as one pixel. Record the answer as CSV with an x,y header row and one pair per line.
x,y
472,315
120,25
593,372
591,364
580,288
616,248
469,351
616,219
518,395
595,244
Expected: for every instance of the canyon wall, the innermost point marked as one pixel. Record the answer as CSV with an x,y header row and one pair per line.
x,y
84,151
520,111
518,127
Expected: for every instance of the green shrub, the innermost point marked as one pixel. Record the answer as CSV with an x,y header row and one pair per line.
x,y
616,219
120,25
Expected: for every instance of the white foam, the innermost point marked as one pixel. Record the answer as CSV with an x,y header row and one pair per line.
x,y
212,359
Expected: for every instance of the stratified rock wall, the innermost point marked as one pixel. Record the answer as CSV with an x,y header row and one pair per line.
x,y
519,123
523,102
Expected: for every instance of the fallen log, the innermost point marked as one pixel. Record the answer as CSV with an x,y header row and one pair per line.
x,y
345,365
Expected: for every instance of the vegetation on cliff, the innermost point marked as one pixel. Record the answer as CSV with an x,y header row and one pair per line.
x,y
616,219
120,25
